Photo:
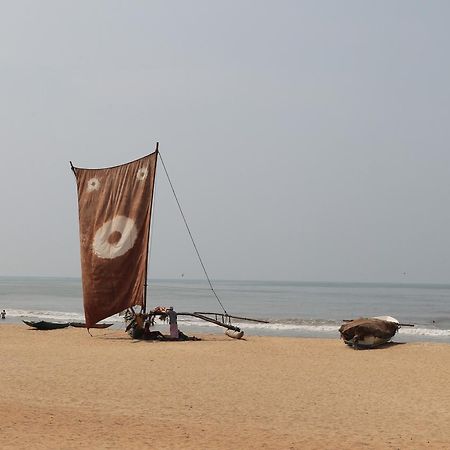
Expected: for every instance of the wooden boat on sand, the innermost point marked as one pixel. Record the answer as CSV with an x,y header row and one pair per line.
x,y
369,332
44,325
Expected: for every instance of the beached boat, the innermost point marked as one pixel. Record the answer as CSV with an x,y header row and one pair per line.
x,y
115,209
44,325
369,332
83,325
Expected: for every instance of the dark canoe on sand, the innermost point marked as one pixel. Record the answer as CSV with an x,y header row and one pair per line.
x,y
44,325
83,325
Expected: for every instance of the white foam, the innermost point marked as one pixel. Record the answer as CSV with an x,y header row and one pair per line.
x,y
281,328
52,315
417,331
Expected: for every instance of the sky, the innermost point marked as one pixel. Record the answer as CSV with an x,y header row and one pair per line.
x,y
306,140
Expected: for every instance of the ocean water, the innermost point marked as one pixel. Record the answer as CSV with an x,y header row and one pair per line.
x,y
300,309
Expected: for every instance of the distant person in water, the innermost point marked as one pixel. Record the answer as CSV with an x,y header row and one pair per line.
x,y
3,314
174,332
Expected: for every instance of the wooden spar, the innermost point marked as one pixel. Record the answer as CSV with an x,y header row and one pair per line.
x,y
234,317
148,231
209,319
400,324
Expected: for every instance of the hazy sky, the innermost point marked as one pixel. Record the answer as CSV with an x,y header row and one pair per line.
x,y
307,140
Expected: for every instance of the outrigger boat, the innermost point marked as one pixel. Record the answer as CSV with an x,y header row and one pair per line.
x,y
115,212
370,332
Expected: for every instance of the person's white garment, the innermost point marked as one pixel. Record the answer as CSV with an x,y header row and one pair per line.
x,y
174,332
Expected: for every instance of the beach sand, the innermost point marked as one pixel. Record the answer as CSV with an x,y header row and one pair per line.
x,y
64,389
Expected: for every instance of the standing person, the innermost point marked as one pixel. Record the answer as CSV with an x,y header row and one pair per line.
x,y
3,314
174,332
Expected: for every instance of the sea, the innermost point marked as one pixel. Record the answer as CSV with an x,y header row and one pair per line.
x,y
294,309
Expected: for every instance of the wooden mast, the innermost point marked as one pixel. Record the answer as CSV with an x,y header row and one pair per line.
x,y
148,231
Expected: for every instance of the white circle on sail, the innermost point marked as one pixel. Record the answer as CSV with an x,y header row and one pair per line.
x,y
93,184
115,237
142,173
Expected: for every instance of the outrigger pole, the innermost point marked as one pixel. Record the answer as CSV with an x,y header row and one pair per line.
x,y
221,323
247,319
400,324
148,232
209,319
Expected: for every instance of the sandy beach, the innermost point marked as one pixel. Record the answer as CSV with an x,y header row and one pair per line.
x,y
64,389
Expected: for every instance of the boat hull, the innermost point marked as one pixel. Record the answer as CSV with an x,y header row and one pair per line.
x,y
368,342
44,325
234,334
369,332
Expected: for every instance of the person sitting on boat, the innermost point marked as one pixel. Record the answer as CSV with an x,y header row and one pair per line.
x,y
3,314
174,332
152,335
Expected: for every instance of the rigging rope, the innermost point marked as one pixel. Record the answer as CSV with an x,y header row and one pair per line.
x,y
190,234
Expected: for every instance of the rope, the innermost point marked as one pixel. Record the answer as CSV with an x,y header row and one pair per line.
x,y
190,234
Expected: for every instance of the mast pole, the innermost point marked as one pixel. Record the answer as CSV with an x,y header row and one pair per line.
x,y
148,231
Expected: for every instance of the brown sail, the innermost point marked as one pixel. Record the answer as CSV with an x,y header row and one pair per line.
x,y
114,207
